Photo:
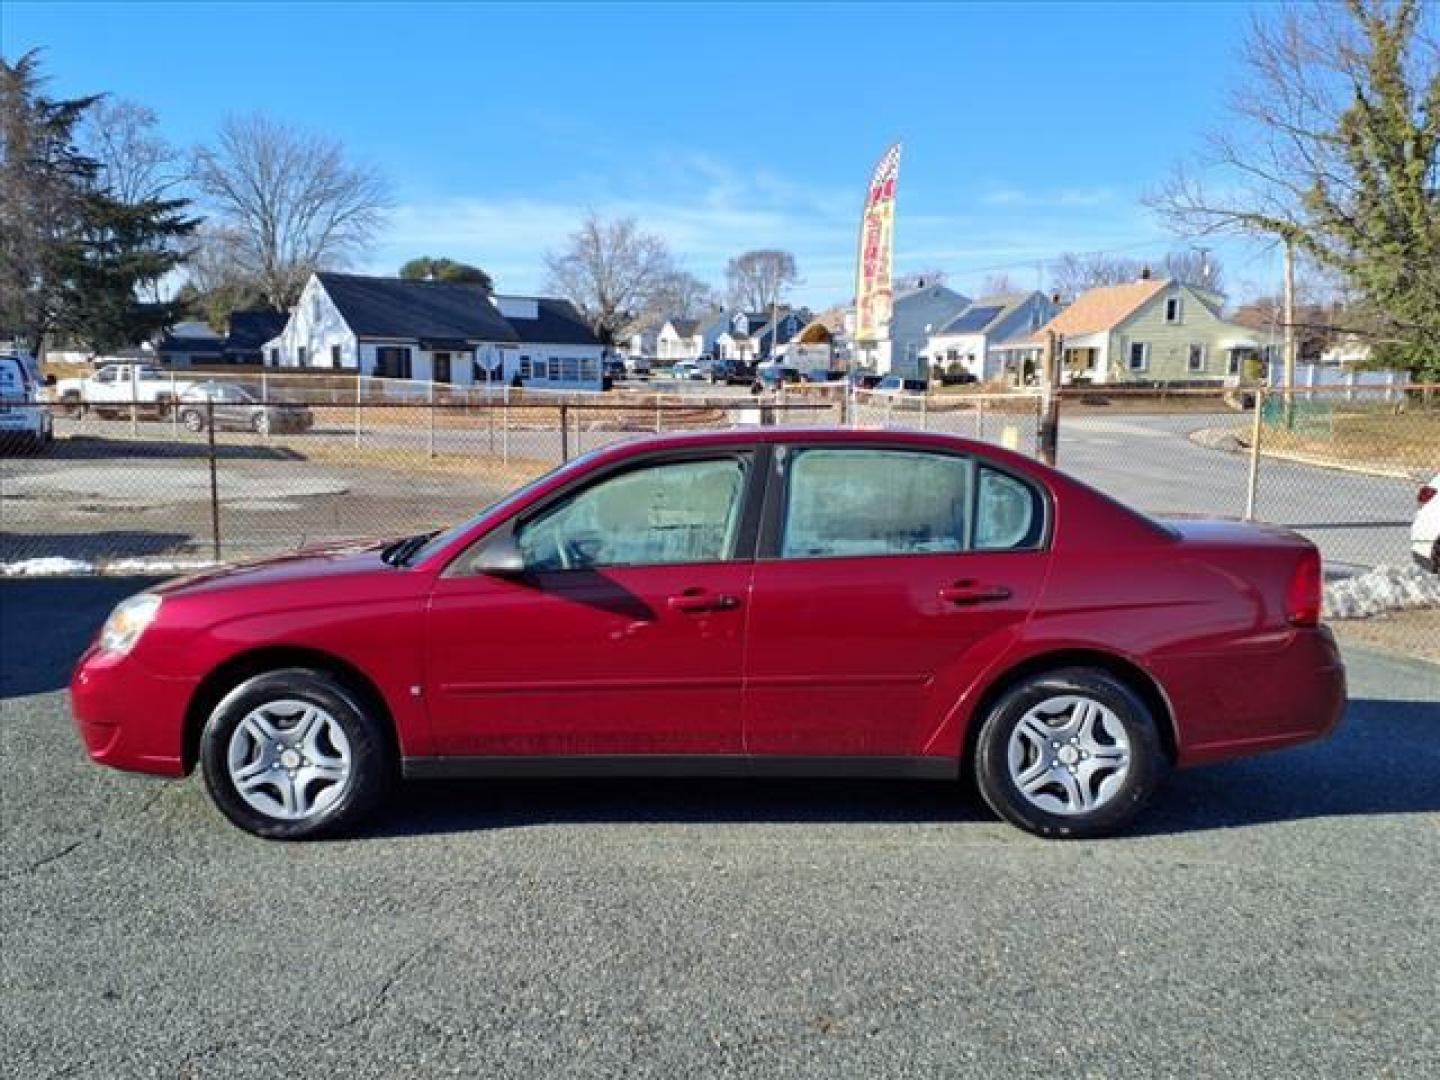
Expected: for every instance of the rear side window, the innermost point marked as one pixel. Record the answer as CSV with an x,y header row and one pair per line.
x,y
1009,513
850,502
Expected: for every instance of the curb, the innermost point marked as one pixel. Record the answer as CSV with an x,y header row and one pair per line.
x,y
1201,436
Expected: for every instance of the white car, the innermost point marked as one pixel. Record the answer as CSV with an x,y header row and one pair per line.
x,y
1425,533
24,417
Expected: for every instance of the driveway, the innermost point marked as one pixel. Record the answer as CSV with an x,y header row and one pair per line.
x,y
1275,918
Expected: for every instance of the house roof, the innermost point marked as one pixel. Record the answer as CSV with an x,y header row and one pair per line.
x,y
685,327
1103,308
556,322
401,308
986,313
250,330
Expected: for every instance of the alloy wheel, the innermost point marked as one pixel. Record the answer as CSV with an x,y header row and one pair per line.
x,y
1069,755
289,760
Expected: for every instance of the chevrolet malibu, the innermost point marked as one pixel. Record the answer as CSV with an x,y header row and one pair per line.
x,y
769,602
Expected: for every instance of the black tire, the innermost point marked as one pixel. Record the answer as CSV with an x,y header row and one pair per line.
x,y
372,764
1148,763
193,420
72,405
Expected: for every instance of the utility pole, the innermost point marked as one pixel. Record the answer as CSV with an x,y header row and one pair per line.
x,y
1050,398
1289,387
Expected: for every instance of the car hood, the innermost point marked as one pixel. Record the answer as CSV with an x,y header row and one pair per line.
x,y
320,561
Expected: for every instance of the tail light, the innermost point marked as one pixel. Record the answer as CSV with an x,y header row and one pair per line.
x,y
1425,494
1306,593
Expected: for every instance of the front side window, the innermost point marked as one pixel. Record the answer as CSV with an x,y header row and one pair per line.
x,y
1139,356
679,512
1195,361
854,502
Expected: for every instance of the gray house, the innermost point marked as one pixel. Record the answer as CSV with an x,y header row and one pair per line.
x,y
993,336
917,313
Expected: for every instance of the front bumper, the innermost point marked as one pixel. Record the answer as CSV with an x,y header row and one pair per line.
x,y
129,717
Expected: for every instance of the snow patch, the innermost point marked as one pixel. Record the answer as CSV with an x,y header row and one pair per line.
x,y
49,566
1385,588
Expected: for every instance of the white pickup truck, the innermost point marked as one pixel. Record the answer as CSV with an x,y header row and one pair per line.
x,y
114,388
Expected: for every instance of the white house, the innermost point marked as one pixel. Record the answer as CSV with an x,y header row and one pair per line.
x,y
437,331
993,336
915,312
679,339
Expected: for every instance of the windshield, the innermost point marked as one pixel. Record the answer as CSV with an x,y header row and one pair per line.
x,y
446,537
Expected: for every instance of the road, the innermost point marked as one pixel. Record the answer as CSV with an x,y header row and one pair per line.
x,y
1274,918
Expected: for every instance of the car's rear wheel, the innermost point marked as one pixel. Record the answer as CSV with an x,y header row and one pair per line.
x,y
294,754
260,423
1069,753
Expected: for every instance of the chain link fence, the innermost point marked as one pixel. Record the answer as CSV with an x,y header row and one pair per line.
x,y
227,467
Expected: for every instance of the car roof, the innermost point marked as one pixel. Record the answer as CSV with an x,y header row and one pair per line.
x,y
826,435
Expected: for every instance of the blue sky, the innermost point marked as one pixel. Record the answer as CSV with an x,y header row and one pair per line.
x,y
1029,129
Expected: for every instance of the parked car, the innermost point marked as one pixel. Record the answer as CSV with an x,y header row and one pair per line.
x,y
865,380
1425,533
686,371
730,372
614,368
821,376
116,389
241,407
765,601
25,420
771,376
894,384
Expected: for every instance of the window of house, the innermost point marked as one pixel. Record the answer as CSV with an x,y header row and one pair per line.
x,y
1195,358
1172,309
1232,366
1139,356
441,368
554,369
393,362
274,357
874,502
678,512
315,309
334,355
302,354
589,368
525,367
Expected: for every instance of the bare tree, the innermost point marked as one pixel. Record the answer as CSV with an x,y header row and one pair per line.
x,y
757,279
613,272
1072,274
136,162
919,279
217,279
1195,266
1331,147
999,284
292,199
684,296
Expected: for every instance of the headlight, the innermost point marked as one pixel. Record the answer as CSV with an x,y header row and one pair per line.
x,y
128,621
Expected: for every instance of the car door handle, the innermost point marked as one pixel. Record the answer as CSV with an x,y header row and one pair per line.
x,y
972,592
697,600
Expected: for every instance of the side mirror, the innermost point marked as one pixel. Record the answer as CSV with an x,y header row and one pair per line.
x,y
500,556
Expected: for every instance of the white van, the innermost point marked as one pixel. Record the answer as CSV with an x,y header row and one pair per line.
x,y
25,418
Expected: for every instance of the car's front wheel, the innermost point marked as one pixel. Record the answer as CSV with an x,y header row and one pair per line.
x,y
294,754
193,420
1071,753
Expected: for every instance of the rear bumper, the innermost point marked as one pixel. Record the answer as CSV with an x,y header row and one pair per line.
x,y
128,717
1252,700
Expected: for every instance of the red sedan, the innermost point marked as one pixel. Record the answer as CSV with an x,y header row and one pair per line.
x,y
778,602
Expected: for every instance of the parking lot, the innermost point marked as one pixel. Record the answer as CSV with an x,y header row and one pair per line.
x,y
1272,918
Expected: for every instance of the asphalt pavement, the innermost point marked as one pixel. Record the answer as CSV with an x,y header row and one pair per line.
x,y
1272,918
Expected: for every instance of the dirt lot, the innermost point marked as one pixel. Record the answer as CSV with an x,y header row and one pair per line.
x,y
1408,633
